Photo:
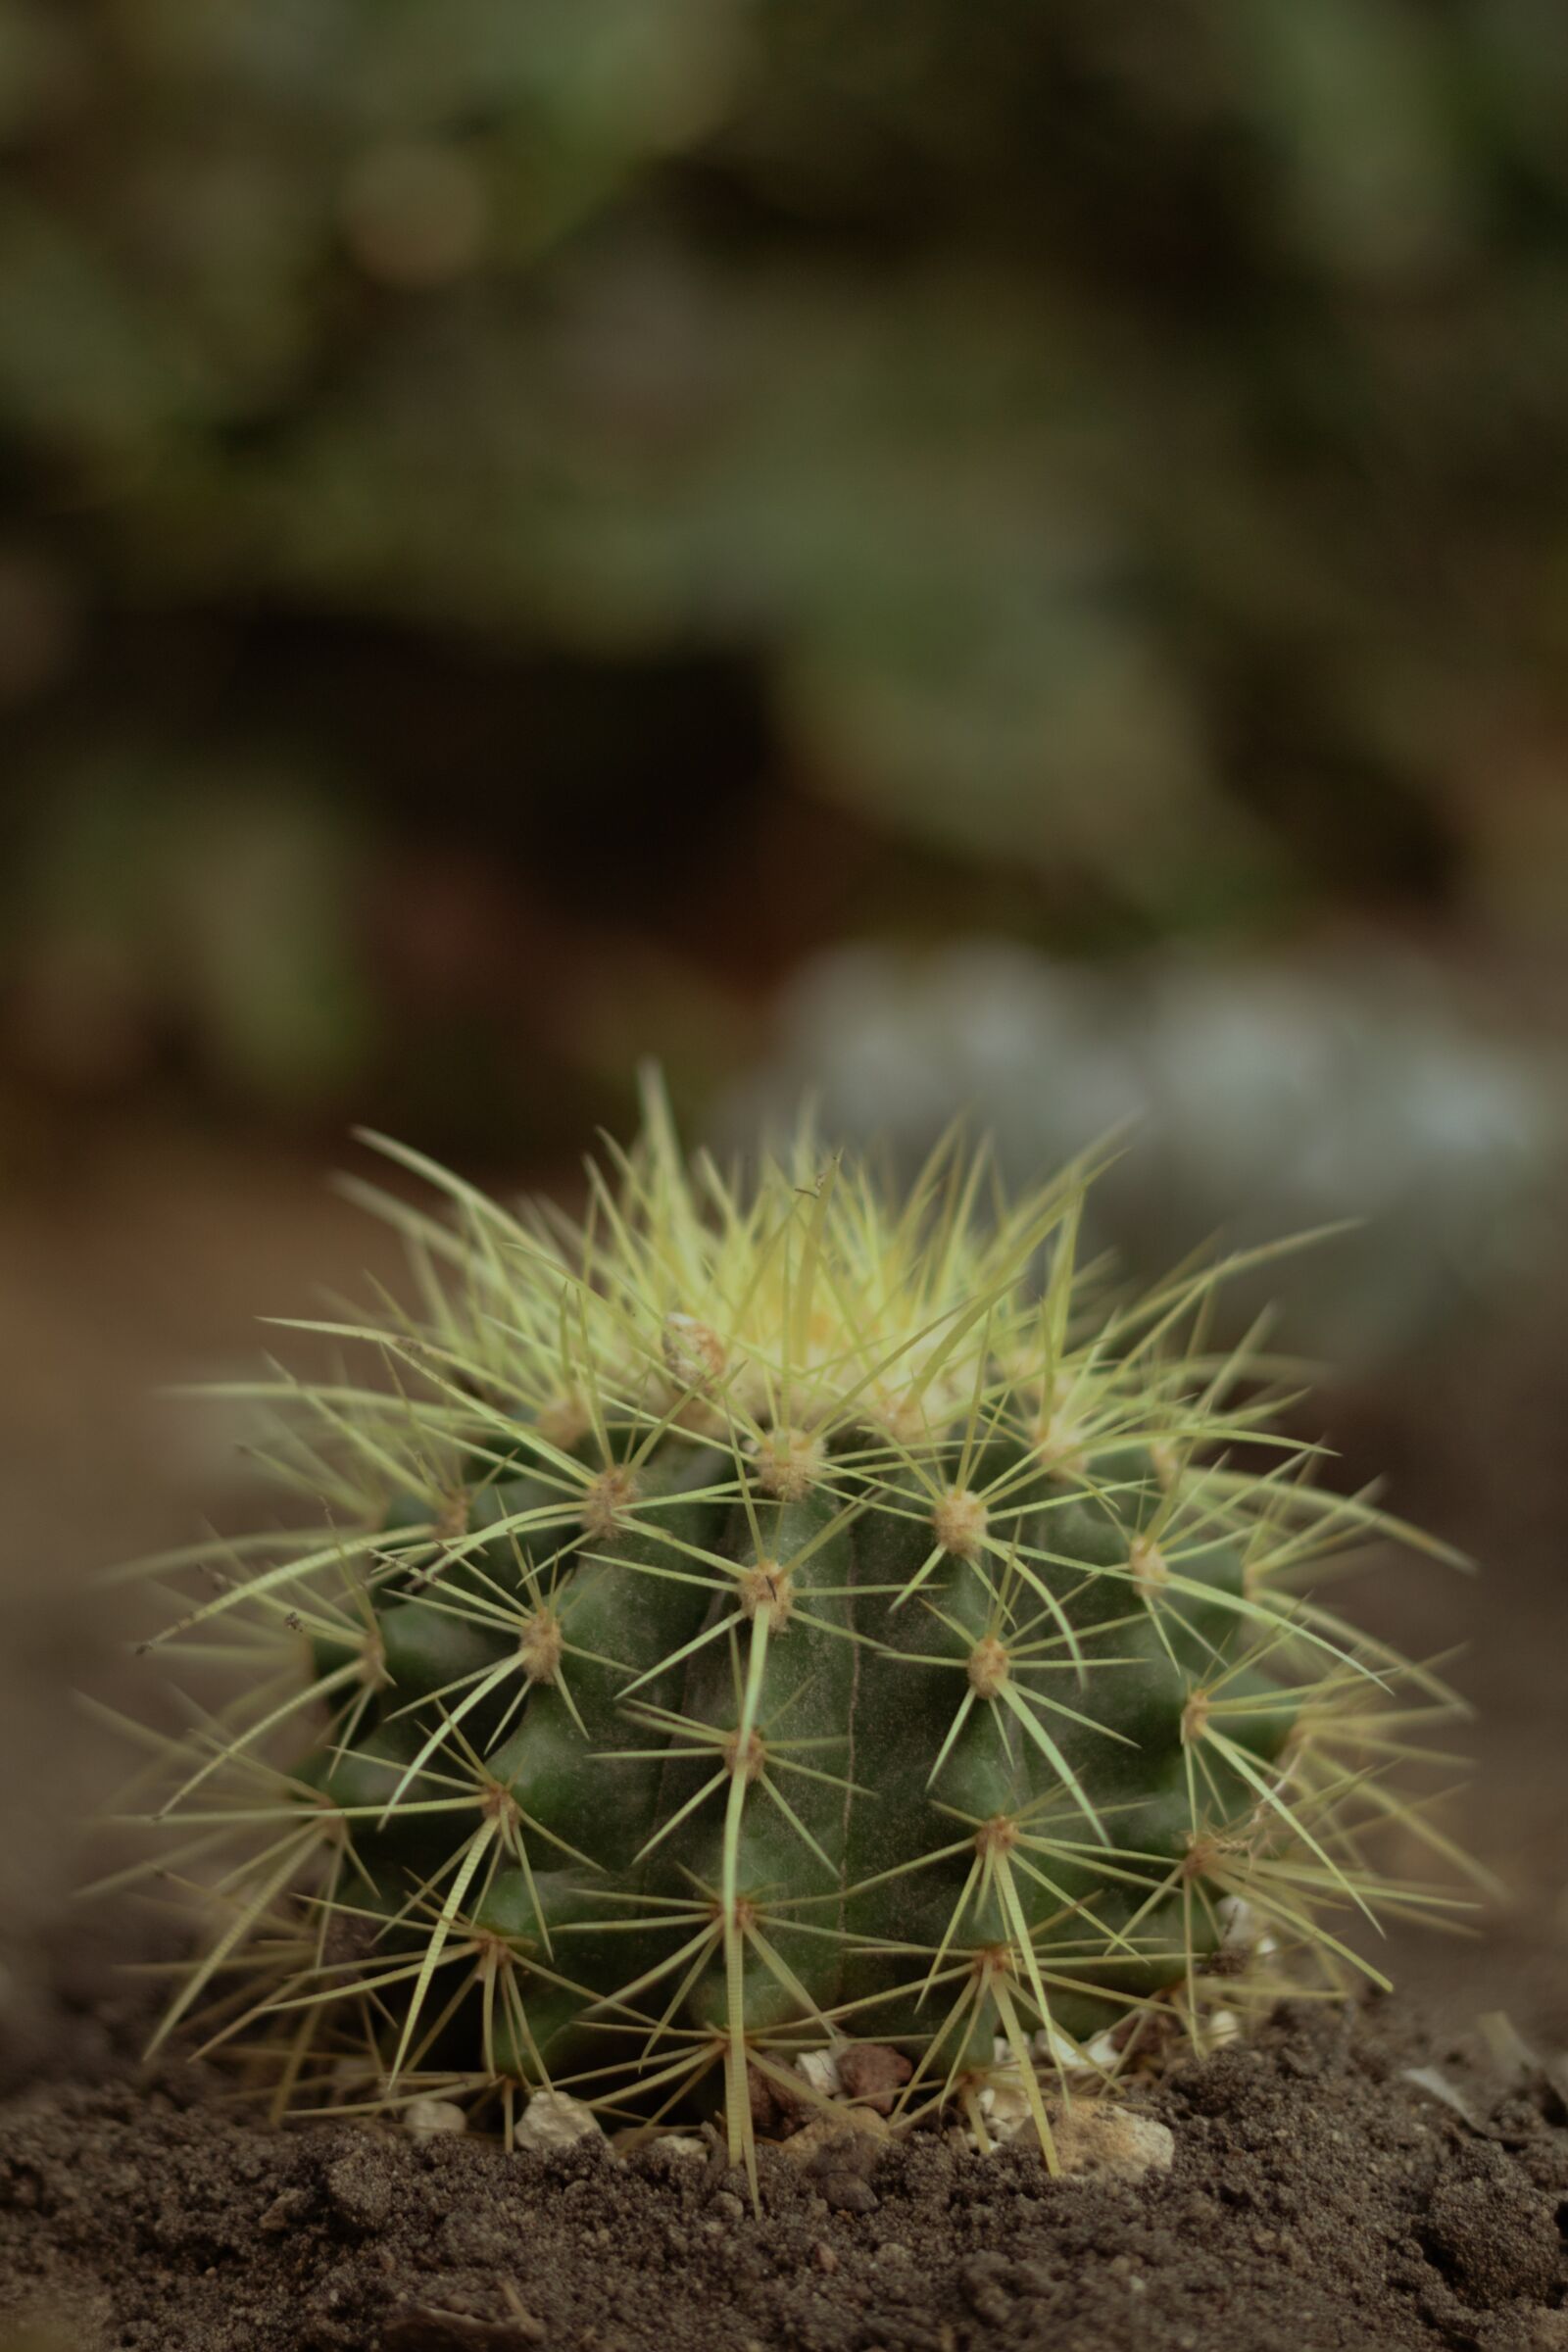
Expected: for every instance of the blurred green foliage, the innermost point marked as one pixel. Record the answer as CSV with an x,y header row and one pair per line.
x,y
150,908
1128,444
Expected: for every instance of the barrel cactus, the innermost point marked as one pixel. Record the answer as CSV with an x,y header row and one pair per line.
x,y
761,1617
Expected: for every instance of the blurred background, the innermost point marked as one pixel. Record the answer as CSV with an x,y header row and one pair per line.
x,y
1008,561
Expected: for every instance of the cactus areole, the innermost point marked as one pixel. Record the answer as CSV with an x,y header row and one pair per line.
x,y
762,1616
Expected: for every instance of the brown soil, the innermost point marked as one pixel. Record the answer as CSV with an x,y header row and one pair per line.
x,y
1319,2199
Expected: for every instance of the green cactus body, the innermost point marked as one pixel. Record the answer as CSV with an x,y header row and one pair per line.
x,y
755,1621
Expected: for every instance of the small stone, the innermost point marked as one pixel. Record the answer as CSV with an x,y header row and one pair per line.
x,y
873,2074
822,2070
1094,2139
728,2207
824,2258
1239,1925
837,2153
844,2192
680,2147
425,2118
283,2211
1005,2108
840,2136
359,2188
553,2120
767,2113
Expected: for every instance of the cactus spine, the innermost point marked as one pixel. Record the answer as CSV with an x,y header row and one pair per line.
x,y
764,1617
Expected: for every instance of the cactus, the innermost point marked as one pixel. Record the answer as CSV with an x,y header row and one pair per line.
x,y
761,1617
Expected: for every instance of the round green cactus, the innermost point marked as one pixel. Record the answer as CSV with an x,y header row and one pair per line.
x,y
761,1617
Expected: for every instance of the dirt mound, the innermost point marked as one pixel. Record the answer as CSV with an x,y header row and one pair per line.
x,y
1320,2199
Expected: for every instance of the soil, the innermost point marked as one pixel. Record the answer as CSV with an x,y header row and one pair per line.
x,y
1320,2197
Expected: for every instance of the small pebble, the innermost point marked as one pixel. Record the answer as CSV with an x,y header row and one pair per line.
x,y
821,2070
1096,2139
873,2074
283,2211
552,2119
425,2118
359,2188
